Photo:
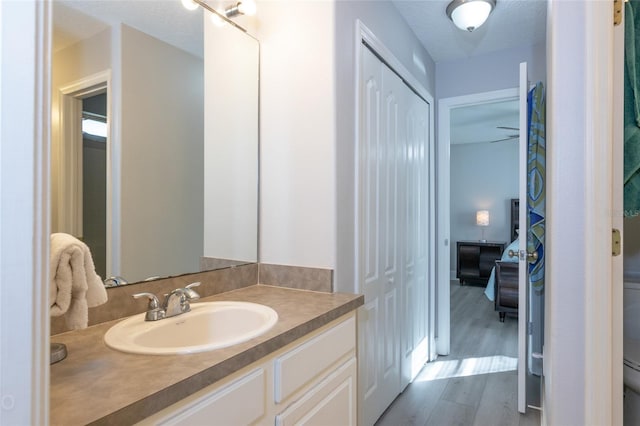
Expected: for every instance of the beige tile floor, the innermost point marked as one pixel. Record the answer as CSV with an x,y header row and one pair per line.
x,y
477,383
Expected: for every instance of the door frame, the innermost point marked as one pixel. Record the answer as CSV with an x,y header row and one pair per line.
x,y
583,344
617,291
443,254
69,157
25,122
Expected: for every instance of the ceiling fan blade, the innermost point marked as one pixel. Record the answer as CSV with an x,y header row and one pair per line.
x,y
505,139
507,128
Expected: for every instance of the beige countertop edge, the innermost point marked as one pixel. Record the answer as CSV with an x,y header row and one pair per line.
x,y
141,408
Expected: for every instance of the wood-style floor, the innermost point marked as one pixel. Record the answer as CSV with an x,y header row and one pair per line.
x,y
477,383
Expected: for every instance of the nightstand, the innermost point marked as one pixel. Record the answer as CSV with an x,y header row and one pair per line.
x,y
476,259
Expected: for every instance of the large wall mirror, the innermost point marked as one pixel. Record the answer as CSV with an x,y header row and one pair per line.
x,y
154,137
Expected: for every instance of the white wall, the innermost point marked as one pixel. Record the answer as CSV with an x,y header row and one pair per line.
x,y
307,75
231,143
162,175
493,71
484,176
297,135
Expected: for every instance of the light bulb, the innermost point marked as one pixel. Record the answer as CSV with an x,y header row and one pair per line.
x,y
189,4
247,7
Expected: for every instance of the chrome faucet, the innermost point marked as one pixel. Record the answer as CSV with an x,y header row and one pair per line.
x,y
115,281
154,312
175,303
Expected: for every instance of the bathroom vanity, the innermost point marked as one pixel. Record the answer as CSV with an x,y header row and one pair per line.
x,y
313,378
304,367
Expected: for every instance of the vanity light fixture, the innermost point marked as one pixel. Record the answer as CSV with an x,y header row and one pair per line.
x,y
220,18
244,7
469,14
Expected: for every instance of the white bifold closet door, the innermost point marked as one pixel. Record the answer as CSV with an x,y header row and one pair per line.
x,y
393,208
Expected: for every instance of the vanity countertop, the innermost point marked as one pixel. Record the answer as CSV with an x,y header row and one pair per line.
x,y
99,385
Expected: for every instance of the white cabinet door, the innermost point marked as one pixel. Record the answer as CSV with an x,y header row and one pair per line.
x,y
311,381
241,402
312,359
330,402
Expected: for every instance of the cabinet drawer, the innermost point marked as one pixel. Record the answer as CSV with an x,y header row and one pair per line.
x,y
299,366
331,402
241,402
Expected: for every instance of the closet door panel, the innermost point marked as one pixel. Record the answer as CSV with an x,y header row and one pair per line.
x,y
378,248
393,222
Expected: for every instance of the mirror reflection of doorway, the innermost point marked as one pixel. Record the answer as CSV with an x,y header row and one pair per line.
x,y
94,178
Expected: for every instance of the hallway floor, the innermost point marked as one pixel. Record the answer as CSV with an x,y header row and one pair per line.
x,y
477,383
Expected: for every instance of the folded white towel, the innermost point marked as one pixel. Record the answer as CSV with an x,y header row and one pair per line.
x,y
75,286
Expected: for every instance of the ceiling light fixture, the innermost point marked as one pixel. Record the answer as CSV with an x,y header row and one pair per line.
x,y
469,14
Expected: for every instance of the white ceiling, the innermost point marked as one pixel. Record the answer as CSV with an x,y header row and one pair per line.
x,y
166,20
512,23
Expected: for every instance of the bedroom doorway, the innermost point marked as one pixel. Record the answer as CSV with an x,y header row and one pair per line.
x,y
465,187
526,294
481,153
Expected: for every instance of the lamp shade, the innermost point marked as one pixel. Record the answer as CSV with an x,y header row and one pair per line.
x,y
469,14
482,218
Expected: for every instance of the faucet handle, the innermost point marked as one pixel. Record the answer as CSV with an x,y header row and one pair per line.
x,y
154,312
190,293
153,300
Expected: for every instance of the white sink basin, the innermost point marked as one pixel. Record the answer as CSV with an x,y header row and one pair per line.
x,y
209,326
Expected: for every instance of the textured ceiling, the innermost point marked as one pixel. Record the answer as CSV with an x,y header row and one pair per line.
x,y
166,20
512,23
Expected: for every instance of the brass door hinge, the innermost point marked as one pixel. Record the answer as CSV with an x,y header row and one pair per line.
x,y
617,12
615,242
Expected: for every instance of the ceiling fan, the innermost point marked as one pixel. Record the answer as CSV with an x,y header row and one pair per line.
x,y
509,137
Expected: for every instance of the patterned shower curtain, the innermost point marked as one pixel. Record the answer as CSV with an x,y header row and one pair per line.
x,y
536,170
632,109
